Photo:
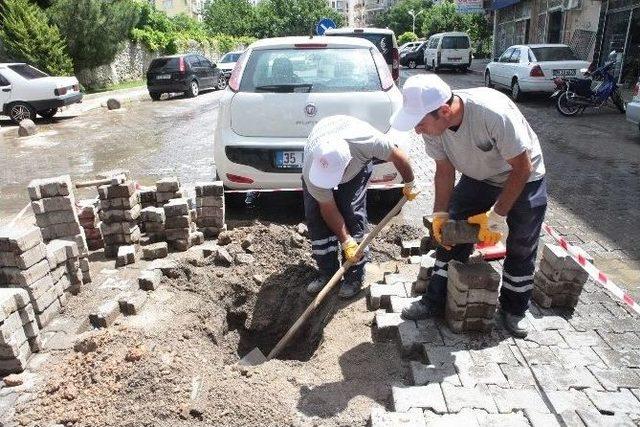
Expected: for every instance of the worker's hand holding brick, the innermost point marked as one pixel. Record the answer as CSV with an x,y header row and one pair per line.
x,y
493,226
410,191
439,220
350,249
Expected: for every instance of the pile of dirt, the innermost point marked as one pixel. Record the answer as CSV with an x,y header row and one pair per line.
x,y
176,363
387,246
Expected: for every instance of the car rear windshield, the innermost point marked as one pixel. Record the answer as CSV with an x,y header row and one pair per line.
x,y
230,57
311,70
164,64
384,42
455,42
28,72
559,53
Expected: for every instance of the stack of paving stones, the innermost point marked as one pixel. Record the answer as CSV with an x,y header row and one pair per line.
x,y
167,189
472,296
67,268
152,223
19,331
147,197
25,264
210,215
90,222
120,210
559,280
180,230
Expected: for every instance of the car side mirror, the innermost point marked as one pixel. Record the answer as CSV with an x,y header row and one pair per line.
x,y
214,66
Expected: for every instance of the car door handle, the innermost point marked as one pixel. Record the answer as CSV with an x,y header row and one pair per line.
x,y
6,90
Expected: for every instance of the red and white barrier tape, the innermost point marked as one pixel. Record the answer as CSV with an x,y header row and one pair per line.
x,y
279,190
596,274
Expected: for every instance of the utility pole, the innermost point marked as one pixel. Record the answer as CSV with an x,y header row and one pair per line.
x,y
414,15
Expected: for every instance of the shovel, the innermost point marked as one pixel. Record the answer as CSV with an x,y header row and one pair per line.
x,y
256,357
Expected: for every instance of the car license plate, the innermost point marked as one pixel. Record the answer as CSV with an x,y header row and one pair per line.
x,y
455,59
289,159
163,76
564,73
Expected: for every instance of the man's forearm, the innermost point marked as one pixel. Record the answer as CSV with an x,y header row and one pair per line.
x,y
521,169
401,162
444,179
334,220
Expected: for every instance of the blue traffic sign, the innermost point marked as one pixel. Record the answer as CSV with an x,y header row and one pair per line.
x,y
324,25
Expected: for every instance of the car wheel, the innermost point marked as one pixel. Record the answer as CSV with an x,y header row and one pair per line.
x,y
436,67
194,89
155,95
516,93
222,83
413,64
20,111
464,69
47,114
487,80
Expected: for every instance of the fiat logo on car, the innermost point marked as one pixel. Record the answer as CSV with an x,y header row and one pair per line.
x,y
310,110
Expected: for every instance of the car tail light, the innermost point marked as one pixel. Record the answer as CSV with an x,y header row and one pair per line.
x,y
60,91
358,30
310,45
236,74
536,71
239,179
386,79
385,178
395,64
181,66
636,89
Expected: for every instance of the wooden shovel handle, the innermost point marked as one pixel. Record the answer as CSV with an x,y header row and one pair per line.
x,y
334,280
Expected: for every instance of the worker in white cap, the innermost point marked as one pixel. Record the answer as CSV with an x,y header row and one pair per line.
x,y
338,161
483,135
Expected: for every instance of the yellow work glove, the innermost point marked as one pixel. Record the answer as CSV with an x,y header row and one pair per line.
x,y
439,220
493,227
410,191
350,249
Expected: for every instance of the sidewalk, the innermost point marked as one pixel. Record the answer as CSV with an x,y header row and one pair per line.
x,y
478,66
97,100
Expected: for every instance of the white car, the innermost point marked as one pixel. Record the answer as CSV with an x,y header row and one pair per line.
x,y
280,89
26,91
448,50
228,61
532,68
409,46
633,107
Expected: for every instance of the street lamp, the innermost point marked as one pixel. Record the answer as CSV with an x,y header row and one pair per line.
x,y
414,15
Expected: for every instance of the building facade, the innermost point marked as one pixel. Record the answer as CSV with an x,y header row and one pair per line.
x,y
192,8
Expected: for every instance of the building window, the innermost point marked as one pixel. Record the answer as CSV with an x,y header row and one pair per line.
x,y
167,4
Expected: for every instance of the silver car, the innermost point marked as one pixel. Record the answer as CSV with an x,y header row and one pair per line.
x,y
633,107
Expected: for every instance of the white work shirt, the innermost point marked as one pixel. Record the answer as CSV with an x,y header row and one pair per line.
x,y
492,131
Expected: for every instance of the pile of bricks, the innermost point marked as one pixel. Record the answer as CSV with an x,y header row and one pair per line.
x,y
472,296
168,189
67,268
90,222
147,197
559,279
180,230
152,223
25,264
120,210
19,331
210,208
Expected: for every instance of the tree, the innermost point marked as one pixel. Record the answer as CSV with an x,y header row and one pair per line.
x,y
28,37
231,17
398,18
406,38
95,29
276,18
443,17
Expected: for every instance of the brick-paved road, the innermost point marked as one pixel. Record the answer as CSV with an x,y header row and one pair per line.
x,y
593,170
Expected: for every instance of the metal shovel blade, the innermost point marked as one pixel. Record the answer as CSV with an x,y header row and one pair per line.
x,y
253,358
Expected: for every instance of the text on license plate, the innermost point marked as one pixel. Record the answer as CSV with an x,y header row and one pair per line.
x,y
564,72
289,159
163,76
455,59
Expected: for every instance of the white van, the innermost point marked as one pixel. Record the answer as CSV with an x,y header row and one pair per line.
x,y
448,50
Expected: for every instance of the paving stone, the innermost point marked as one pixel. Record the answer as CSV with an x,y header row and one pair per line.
x,y
168,185
499,354
613,379
581,339
615,402
427,262
557,377
411,418
131,303
150,279
540,356
518,377
126,255
596,419
569,400
478,397
387,325
459,231
509,400
473,276
466,418
614,358
380,294
564,419
544,338
413,334
155,251
625,341
105,314
425,397
390,279
470,374
446,355
425,374
502,420
397,304
409,247
545,323
176,207
585,356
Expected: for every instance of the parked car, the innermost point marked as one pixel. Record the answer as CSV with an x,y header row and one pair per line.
x,y
227,62
280,89
188,73
532,68
26,91
409,46
413,58
633,107
448,50
383,39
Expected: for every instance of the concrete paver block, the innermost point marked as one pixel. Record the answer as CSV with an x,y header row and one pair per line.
x,y
105,314
380,295
425,374
478,397
510,400
622,401
149,280
411,418
155,251
424,397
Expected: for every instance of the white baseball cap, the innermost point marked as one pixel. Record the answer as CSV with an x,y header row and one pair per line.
x,y
331,155
421,95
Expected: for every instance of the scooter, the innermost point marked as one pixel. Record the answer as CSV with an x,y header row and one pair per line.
x,y
573,95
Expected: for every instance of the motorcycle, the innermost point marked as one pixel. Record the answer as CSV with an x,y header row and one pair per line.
x,y
574,94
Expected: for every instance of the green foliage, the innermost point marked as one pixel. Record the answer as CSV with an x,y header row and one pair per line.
x,y
277,18
398,18
406,38
28,37
95,29
225,43
232,17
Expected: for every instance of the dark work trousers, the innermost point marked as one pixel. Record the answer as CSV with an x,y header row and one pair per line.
x,y
351,199
471,197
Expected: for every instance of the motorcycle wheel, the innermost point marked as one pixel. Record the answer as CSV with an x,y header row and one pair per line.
x,y
565,107
618,101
